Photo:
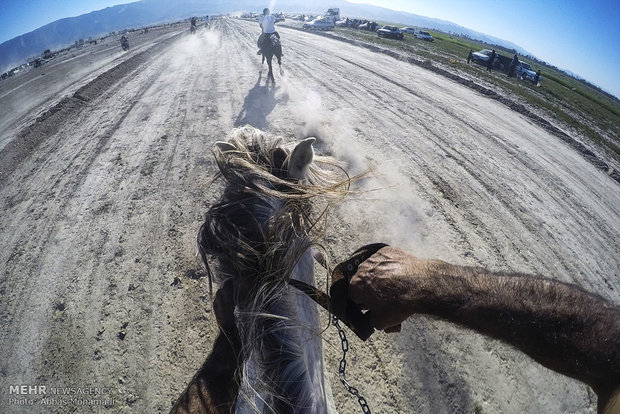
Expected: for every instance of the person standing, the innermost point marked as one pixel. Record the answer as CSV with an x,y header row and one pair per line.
x,y
513,66
490,61
537,78
469,56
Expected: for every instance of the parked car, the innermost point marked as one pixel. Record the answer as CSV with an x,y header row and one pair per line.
x,y
342,23
424,36
409,30
481,56
320,24
525,71
500,62
390,31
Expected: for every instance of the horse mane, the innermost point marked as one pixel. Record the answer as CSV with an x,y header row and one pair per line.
x,y
256,233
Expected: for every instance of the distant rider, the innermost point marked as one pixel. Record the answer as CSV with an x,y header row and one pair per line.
x,y
267,24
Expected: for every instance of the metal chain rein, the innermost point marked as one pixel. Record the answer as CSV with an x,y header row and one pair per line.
x,y
343,365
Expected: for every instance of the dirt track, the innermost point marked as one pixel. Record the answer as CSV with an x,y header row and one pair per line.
x,y
99,283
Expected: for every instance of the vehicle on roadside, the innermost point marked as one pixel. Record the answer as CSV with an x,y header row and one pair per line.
x,y
525,71
500,62
333,14
482,56
424,36
409,30
391,32
342,23
320,24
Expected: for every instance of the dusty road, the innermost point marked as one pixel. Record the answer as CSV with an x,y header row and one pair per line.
x,y
102,199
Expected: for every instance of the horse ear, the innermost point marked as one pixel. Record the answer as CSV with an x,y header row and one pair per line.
x,y
225,146
300,158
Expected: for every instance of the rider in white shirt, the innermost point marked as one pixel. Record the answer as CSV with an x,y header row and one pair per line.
x,y
267,24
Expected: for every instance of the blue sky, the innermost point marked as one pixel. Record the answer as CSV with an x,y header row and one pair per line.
x,y
582,36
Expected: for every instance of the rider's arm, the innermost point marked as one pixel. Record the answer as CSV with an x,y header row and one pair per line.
x,y
559,325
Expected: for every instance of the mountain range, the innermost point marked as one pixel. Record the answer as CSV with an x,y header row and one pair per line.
x,y
65,32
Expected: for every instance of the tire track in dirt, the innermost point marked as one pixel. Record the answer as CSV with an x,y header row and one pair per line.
x,y
482,230
56,338
50,121
350,95
515,106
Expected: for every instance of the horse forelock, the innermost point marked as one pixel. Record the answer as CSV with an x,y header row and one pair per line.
x,y
257,233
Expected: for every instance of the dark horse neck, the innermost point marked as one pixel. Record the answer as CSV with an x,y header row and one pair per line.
x,y
270,47
214,388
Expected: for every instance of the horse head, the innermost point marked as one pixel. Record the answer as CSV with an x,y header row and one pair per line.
x,y
259,235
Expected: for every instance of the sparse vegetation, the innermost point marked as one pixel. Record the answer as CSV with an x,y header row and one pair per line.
x,y
577,104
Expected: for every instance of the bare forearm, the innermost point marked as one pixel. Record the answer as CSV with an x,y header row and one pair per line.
x,y
559,325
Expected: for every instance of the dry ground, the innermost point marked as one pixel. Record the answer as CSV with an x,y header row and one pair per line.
x,y
101,200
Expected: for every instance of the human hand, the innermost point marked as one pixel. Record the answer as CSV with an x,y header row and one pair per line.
x,y
390,284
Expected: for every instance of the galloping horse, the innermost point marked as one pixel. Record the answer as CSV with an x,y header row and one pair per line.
x,y
268,357
271,47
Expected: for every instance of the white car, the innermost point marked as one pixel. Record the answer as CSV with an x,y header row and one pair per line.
x,y
424,36
320,24
525,71
481,56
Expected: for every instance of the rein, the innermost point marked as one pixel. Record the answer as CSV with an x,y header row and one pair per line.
x,y
338,302
342,308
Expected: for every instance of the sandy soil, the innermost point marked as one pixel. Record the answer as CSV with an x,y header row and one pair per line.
x,y
102,197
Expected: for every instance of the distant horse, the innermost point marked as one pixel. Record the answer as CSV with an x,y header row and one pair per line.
x,y
260,234
269,48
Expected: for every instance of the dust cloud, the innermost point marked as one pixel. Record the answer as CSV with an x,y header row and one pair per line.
x,y
384,206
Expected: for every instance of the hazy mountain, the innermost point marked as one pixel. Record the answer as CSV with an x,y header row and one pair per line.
x,y
66,31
